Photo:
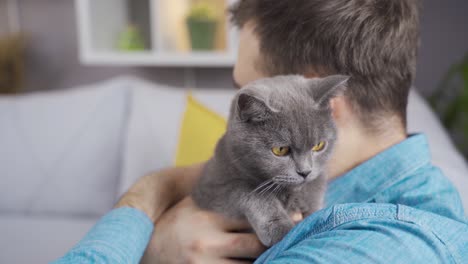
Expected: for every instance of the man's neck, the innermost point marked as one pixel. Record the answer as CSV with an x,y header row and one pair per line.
x,y
358,147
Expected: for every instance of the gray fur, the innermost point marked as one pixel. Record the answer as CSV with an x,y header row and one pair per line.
x,y
245,180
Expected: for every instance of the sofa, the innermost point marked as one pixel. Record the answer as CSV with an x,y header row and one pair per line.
x,y
66,156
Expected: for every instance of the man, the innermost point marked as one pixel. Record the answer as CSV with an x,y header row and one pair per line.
x,y
386,203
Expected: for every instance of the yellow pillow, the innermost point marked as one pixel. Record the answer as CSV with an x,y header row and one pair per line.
x,y
200,131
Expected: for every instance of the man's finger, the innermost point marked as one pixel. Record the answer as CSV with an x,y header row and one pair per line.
x,y
232,225
297,217
242,245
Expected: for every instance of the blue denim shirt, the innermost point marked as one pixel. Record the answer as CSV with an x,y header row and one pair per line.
x,y
394,208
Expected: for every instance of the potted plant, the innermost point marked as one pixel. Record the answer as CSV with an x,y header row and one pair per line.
x,y
131,39
450,101
202,23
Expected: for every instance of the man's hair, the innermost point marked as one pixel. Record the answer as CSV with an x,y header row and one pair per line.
x,y
373,41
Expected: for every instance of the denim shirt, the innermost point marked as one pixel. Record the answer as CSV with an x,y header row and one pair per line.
x,y
393,208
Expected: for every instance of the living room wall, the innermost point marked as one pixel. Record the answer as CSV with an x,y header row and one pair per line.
x,y
52,60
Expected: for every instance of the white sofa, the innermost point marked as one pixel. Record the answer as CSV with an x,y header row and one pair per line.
x,y
66,156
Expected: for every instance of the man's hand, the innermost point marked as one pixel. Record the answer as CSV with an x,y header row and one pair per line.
x,y
187,234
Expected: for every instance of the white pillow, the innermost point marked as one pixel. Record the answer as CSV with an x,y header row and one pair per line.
x,y
60,151
152,131
155,119
444,154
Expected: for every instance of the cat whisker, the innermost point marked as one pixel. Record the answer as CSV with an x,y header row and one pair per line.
x,y
261,186
264,191
265,183
272,193
281,188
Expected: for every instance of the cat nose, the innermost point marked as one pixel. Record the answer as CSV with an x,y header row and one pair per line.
x,y
304,173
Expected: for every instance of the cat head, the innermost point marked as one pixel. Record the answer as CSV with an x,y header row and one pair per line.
x,y
281,128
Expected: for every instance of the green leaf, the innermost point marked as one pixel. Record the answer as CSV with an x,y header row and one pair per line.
x,y
464,72
442,87
464,119
450,114
131,39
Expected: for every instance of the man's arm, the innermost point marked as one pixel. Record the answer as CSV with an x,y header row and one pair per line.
x,y
121,236
155,193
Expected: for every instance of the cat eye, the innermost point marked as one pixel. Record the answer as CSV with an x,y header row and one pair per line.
x,y
319,147
280,151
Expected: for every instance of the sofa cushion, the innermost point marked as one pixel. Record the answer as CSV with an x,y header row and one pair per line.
x,y
39,239
60,151
199,133
151,137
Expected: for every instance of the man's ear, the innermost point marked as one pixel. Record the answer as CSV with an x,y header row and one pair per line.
x,y
252,109
327,88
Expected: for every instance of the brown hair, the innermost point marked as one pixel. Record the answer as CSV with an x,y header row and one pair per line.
x,y
373,41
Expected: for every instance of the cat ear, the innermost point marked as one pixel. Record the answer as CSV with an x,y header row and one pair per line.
x,y
327,88
252,109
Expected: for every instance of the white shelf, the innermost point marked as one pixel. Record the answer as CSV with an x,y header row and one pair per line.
x,y
193,59
100,21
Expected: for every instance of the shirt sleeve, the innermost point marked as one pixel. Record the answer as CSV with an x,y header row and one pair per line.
x,y
367,241
121,236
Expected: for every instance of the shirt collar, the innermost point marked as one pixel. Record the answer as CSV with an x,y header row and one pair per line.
x,y
371,177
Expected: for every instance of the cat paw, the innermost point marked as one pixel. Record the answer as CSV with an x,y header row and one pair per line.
x,y
274,231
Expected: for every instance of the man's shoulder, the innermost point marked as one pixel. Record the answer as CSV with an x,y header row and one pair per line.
x,y
345,215
402,174
403,225
387,233
426,189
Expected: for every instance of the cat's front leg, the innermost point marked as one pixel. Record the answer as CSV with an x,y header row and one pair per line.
x,y
311,206
269,219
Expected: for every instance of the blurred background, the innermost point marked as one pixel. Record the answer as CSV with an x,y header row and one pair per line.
x,y
56,31
52,42
93,94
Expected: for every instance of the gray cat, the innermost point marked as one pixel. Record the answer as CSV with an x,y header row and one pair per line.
x,y
272,159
